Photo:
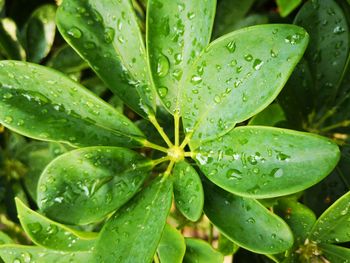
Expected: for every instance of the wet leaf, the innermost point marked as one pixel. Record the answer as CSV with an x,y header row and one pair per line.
x,y
171,248
333,225
175,41
9,42
264,162
49,234
238,76
246,222
106,34
188,191
285,7
198,251
90,183
335,253
46,105
141,220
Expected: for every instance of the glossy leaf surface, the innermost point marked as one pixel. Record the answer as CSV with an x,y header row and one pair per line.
x,y
333,225
237,76
49,234
188,191
246,222
141,220
39,33
106,34
43,104
172,247
9,42
198,251
175,41
90,183
17,253
264,162
335,254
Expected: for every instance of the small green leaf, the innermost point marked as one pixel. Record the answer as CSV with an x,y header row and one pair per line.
x,y
106,34
264,162
90,183
286,7
9,42
246,222
188,191
17,253
171,248
226,246
332,226
39,33
270,116
43,104
175,41
49,234
335,254
5,239
141,220
198,251
237,76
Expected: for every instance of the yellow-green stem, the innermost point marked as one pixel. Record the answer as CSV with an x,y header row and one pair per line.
x,y
154,146
168,170
186,140
177,128
155,123
160,160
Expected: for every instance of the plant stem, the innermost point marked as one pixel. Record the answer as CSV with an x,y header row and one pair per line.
x,y
155,123
211,234
160,160
186,140
345,123
168,169
156,259
177,128
154,146
189,154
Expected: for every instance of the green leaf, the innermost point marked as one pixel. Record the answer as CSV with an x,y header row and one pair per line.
x,y
175,41
142,220
286,7
5,239
65,59
237,76
246,222
49,234
171,248
228,14
106,34
188,191
250,20
9,42
90,183
17,253
264,162
329,46
43,104
335,254
270,116
226,246
198,251
2,5
332,226
39,33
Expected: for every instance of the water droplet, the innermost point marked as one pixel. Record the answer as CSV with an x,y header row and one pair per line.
x,y
109,35
163,91
282,156
294,39
7,96
35,228
244,97
251,220
196,79
231,46
191,15
234,174
217,99
162,66
277,172
338,30
273,53
8,119
248,57
257,64
75,32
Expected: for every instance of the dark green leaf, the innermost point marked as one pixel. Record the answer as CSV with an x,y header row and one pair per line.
x,y
237,76
106,34
226,246
198,251
9,42
142,220
251,20
39,33
17,253
188,191
49,234
335,254
332,226
89,183
271,116
287,6
264,162
43,104
175,41
171,248
246,222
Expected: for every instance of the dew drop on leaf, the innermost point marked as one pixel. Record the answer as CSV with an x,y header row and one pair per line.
x,y
75,32
231,46
196,79
109,35
163,91
162,66
257,64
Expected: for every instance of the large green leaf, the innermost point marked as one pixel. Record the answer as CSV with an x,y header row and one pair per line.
x,y
17,253
329,45
49,234
246,222
287,6
39,33
335,254
106,34
237,76
171,248
264,162
44,104
90,183
141,221
333,225
270,116
175,41
198,251
188,191
9,42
